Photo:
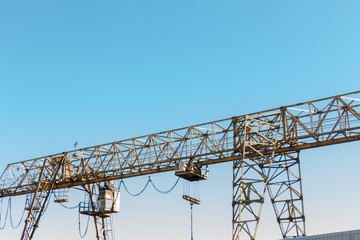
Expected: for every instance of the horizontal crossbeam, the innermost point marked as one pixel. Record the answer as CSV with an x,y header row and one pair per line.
x,y
306,125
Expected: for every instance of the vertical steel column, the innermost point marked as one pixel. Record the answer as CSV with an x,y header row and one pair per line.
x,y
104,227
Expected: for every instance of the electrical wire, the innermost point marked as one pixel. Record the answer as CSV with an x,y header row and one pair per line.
x,y
76,206
7,211
11,219
192,229
191,189
164,192
82,235
146,185
86,229
137,194
46,207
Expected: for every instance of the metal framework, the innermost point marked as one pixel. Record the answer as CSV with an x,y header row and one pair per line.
x,y
263,146
104,225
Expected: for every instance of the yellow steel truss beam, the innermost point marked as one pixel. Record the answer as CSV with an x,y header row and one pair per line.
x,y
305,125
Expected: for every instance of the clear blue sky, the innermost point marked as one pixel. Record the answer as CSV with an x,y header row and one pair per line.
x,y
101,71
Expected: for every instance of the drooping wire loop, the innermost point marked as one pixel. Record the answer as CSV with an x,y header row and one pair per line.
x,y
82,235
164,192
11,218
6,214
146,185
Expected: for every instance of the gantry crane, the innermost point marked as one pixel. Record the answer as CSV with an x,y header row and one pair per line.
x,y
263,146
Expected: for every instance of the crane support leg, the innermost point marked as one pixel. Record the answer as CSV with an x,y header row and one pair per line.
x,y
285,190
100,228
41,196
104,228
250,177
249,187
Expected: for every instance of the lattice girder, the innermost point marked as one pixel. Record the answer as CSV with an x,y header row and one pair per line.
x,y
254,139
306,125
285,190
252,135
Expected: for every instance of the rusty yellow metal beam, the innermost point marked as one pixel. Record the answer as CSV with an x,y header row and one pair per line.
x,y
301,126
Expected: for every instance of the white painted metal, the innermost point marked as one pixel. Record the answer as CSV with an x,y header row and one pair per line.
x,y
348,235
116,206
109,200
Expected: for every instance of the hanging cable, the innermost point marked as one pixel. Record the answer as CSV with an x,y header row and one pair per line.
x,y
191,189
87,226
134,195
46,207
1,207
76,206
185,191
119,185
11,220
164,192
7,211
146,185
192,233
